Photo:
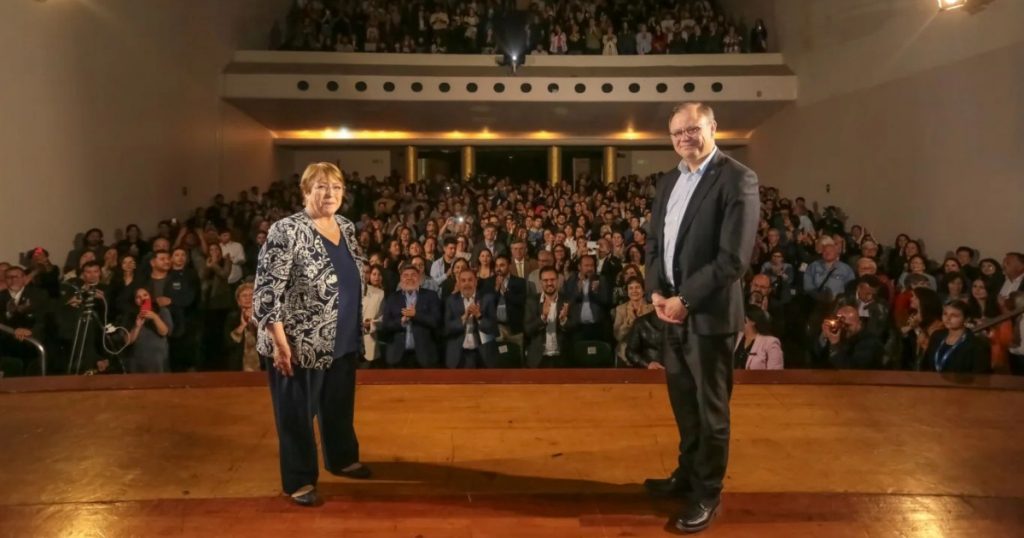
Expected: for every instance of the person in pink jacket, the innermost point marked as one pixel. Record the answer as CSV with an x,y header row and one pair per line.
x,y
756,348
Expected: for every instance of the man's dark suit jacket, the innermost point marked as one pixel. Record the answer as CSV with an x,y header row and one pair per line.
x,y
455,330
515,303
600,300
425,324
611,269
30,312
535,330
713,247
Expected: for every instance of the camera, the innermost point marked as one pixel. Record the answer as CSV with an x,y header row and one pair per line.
x,y
86,295
835,324
756,299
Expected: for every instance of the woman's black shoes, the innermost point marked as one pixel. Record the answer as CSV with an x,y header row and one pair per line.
x,y
307,496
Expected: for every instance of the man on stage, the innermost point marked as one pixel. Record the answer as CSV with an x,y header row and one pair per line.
x,y
702,231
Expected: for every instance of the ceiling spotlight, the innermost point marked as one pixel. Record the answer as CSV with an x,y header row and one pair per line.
x,y
947,5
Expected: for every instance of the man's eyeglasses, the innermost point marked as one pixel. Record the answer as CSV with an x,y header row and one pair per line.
x,y
688,132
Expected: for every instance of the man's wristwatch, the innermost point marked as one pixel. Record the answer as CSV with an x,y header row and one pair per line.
x,y
686,305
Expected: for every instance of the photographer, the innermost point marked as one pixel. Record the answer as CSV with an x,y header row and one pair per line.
x,y
84,299
845,345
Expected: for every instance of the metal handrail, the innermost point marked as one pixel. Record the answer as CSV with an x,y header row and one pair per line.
x,y
39,346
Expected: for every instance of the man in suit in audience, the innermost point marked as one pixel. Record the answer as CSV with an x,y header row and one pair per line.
x,y
608,266
590,297
470,326
510,293
411,317
520,265
490,242
22,308
544,325
703,227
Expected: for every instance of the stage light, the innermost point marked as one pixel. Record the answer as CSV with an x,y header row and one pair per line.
x,y
947,5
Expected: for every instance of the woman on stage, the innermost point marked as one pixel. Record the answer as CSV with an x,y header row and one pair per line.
x,y
307,307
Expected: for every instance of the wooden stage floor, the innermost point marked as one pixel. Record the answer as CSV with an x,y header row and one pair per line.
x,y
547,454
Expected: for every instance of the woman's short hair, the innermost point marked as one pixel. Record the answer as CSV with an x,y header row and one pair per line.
x,y
241,288
317,171
760,319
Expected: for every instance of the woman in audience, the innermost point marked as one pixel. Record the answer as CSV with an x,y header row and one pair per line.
x,y
953,288
757,349
485,271
42,273
925,318
954,348
109,266
620,294
559,41
395,255
992,272
627,313
462,248
373,296
635,256
951,265
609,42
917,265
240,344
217,302
148,352
430,249
195,244
982,305
123,285
450,283
562,261
132,243
897,256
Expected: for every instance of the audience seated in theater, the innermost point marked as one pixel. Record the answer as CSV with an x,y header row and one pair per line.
x,y
552,27
437,225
